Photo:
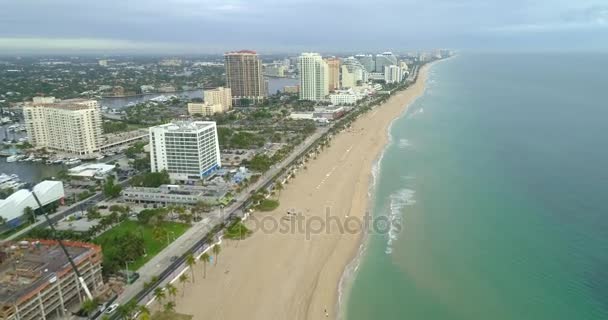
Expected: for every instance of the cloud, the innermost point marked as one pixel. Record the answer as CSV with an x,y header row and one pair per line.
x,y
310,24
589,18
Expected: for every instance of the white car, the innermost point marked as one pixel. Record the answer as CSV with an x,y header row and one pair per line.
x,y
112,308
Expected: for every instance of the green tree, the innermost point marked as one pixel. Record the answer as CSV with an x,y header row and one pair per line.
x,y
191,262
169,306
205,258
216,251
144,313
183,279
159,295
88,306
30,215
110,189
171,290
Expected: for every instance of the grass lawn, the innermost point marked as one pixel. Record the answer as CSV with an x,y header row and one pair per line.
x,y
153,247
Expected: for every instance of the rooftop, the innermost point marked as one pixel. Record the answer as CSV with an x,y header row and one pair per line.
x,y
241,52
64,106
91,169
26,267
186,126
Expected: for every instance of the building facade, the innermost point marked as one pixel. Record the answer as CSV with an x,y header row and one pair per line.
x,y
38,282
221,96
333,81
367,61
173,195
393,74
384,59
72,126
244,77
345,97
314,77
204,109
187,150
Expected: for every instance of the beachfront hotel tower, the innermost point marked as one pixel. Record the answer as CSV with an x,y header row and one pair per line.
x,y
244,77
72,126
314,77
385,59
333,65
187,150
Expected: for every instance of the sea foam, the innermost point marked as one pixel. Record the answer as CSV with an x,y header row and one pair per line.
x,y
398,200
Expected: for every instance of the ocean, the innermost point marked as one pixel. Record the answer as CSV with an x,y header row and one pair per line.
x,y
498,177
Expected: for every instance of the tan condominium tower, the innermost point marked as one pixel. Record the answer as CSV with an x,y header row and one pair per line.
x,y
72,126
219,96
333,65
244,77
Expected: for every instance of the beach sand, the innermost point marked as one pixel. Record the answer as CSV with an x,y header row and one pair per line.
x,y
283,275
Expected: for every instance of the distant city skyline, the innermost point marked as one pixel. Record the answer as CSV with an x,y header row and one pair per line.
x,y
273,26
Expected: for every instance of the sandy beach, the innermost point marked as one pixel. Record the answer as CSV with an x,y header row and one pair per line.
x,y
283,275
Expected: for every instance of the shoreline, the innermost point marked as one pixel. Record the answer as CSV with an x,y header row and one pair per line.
x,y
350,271
299,274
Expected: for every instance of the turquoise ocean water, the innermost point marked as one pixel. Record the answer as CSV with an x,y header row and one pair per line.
x,y
499,177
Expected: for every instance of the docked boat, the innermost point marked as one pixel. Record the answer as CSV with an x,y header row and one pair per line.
x,y
72,161
15,158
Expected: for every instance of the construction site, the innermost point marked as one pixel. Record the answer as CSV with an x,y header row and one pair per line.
x,y
37,280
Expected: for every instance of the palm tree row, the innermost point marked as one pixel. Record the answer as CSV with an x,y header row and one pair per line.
x,y
170,291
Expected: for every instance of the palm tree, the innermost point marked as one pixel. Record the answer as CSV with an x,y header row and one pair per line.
x,y
183,279
29,214
190,262
216,251
205,258
159,294
126,311
144,313
88,306
169,306
171,290
278,186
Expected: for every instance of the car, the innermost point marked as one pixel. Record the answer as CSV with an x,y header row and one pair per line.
x,y
112,308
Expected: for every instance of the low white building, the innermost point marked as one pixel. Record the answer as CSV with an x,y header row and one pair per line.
x,y
12,208
91,170
346,97
301,116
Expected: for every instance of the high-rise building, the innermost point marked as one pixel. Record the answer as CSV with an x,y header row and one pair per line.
x,y
244,77
392,74
314,76
384,59
188,150
353,73
38,281
367,61
333,65
73,126
349,77
221,96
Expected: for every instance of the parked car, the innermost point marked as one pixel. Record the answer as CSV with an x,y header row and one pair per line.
x,y
112,308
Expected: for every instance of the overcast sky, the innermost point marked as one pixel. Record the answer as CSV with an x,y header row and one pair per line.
x,y
200,26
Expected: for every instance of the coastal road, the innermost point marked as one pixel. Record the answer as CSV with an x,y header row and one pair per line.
x,y
162,262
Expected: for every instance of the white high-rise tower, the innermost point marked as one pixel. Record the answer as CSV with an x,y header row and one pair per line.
x,y
314,77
